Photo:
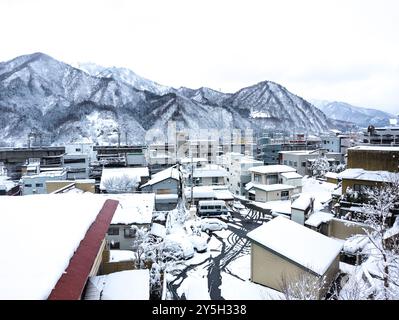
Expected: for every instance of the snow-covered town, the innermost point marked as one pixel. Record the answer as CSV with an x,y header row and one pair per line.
x,y
199,220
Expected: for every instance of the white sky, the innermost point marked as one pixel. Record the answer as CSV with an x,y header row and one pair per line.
x,y
346,50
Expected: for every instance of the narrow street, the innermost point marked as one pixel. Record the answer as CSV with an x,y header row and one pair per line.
x,y
233,244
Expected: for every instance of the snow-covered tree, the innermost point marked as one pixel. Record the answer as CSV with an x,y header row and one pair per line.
x,y
383,254
120,184
320,166
303,286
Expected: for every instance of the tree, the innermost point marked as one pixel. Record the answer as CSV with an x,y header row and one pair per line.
x,y
121,184
320,166
383,255
303,286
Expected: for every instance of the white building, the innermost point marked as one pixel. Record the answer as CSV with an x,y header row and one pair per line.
x,y
36,184
237,166
336,143
77,159
302,160
208,175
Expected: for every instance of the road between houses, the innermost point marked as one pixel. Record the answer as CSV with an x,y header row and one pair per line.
x,y
233,246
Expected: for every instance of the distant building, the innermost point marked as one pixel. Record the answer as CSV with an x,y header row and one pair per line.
x,y
382,136
166,185
237,166
36,184
374,158
335,143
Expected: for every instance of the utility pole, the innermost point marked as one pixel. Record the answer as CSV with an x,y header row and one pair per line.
x,y
192,179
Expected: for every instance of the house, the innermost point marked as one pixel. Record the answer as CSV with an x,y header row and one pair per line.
x,y
36,184
374,158
122,180
269,192
357,178
86,185
63,255
134,209
302,160
208,175
274,182
166,186
301,208
122,285
336,143
237,166
283,250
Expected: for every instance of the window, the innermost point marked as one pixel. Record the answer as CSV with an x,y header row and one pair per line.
x,y
114,245
129,233
257,177
284,195
295,164
285,162
39,185
78,149
215,179
28,185
290,163
81,160
238,184
304,164
113,231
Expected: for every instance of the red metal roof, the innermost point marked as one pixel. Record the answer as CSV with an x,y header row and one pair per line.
x,y
71,284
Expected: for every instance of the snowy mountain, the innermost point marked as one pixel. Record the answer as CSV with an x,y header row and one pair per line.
x,y
360,116
64,103
124,75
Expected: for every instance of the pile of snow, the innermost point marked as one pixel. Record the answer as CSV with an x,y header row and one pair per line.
x,y
321,191
317,218
121,255
123,285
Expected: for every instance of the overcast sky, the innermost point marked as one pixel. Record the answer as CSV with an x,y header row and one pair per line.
x,y
346,50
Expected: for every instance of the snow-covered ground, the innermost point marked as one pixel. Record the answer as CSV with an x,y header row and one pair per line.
x,y
320,190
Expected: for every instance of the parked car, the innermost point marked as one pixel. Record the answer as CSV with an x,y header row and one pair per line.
x,y
212,224
199,243
177,247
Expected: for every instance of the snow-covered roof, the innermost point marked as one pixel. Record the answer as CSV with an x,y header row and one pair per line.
x,y
194,160
134,208
272,187
6,184
223,194
375,148
355,243
291,175
171,172
366,175
122,285
200,192
132,173
297,243
302,202
47,174
278,168
331,175
317,218
278,206
50,229
209,171
121,255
